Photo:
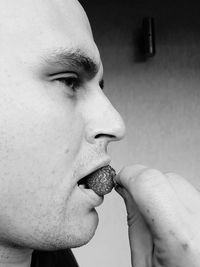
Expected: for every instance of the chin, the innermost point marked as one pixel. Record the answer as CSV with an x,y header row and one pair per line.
x,y
75,234
83,240
83,232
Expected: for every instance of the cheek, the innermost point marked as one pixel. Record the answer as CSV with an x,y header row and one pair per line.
x,y
37,127
40,140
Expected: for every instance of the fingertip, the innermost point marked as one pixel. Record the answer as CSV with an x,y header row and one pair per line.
x,y
120,190
126,196
132,170
128,173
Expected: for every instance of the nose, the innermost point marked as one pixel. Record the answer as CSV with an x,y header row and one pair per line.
x,y
104,123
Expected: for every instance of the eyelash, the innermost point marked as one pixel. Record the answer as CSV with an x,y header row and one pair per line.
x,y
73,82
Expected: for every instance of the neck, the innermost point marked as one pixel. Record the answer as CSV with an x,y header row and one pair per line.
x,y
15,257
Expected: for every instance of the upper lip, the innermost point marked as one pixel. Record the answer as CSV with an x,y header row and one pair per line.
x,y
96,167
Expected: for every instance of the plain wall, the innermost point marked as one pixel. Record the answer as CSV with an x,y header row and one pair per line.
x,y
159,100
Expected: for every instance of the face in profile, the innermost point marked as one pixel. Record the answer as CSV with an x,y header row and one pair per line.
x,y
55,124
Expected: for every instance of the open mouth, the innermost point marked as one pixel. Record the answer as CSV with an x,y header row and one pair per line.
x,y
94,199
83,182
100,181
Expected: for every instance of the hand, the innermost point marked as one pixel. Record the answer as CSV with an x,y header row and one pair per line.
x,y
163,218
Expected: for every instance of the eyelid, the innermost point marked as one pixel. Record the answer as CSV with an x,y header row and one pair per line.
x,y
63,75
71,74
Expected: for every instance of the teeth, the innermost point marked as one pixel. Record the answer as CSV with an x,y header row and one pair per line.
x,y
82,186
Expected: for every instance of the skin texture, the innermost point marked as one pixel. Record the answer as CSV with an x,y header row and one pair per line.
x,y
51,134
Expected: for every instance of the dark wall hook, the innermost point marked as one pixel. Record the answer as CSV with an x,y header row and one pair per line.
x,y
148,28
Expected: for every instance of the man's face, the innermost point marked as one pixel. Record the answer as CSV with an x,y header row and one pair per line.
x,y
55,123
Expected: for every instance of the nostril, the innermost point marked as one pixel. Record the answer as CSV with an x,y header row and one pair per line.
x,y
105,135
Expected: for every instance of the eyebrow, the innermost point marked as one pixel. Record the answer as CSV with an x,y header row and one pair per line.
x,y
72,60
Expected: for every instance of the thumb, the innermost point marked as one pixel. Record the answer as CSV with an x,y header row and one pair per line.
x,y
155,200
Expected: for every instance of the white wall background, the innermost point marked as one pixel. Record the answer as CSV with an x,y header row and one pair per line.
x,y
159,100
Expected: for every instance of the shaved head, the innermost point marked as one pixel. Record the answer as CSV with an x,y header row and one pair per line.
x,y
51,132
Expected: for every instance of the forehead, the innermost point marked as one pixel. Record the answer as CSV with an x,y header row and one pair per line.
x,y
33,27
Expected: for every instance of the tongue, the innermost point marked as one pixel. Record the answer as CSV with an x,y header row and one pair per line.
x,y
101,181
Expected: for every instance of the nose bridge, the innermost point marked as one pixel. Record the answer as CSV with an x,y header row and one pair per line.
x,y
104,120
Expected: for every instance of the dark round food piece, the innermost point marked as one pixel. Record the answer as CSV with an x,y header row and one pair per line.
x,y
101,181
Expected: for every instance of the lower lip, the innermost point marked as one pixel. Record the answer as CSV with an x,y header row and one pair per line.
x,y
94,199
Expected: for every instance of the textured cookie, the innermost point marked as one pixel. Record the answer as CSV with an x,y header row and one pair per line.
x,y
101,181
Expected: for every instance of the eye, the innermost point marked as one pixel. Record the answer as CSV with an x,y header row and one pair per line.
x,y
101,84
71,80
